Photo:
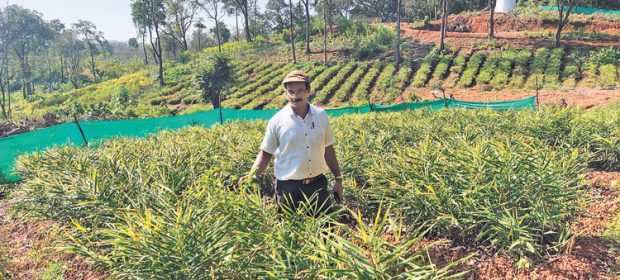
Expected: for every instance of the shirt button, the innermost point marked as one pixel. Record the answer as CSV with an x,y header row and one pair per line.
x,y
307,147
309,160
306,134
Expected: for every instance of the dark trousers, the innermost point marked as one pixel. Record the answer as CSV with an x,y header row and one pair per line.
x,y
291,193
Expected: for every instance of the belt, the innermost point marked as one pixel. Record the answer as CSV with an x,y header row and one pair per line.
x,y
310,180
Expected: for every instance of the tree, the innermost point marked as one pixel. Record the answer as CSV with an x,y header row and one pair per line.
x,y
94,42
306,4
243,7
564,9
150,14
181,16
290,9
491,19
199,27
385,9
215,75
27,33
223,30
71,50
5,75
397,47
444,23
142,33
213,10
277,13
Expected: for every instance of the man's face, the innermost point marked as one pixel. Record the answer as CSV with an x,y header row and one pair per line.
x,y
296,93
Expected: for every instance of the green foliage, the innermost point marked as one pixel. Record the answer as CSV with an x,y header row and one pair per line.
x,y
488,69
54,271
552,71
423,74
503,71
345,92
467,79
385,81
609,75
537,67
362,92
214,74
166,205
570,75
324,95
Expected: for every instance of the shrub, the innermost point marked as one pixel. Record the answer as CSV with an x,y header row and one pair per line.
x,y
552,71
609,75
537,68
423,74
467,79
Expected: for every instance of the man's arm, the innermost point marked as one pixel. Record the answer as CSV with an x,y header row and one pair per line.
x,y
262,161
332,163
260,164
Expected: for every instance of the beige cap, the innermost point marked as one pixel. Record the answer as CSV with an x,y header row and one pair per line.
x,y
296,76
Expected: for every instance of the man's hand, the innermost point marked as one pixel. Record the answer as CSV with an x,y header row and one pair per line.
x,y
338,190
243,179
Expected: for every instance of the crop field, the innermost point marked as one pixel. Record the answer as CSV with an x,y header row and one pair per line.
x,y
168,206
345,83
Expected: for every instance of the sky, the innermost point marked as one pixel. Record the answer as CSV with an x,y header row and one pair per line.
x,y
112,17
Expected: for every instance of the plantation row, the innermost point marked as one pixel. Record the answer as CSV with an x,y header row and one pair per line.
x,y
344,84
168,206
356,83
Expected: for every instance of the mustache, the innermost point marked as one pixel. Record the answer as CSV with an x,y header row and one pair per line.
x,y
294,99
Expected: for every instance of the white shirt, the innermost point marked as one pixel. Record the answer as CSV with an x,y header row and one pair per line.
x,y
298,144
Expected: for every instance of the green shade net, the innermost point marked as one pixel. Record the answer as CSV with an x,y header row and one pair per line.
x,y
96,131
581,10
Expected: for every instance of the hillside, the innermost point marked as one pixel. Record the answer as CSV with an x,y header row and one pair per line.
x,y
509,67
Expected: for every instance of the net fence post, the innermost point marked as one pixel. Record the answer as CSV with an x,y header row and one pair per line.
x,y
536,90
80,128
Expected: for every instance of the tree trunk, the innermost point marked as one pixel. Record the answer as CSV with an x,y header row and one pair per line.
x,y
248,35
491,18
444,16
562,19
237,23
290,10
62,71
146,58
306,4
324,33
397,47
217,33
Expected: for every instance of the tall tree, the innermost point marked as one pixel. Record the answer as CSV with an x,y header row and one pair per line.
x,y
151,15
492,4
306,4
215,12
94,41
199,27
142,34
564,9
5,75
290,9
385,9
27,33
397,47
244,7
444,23
181,16
72,50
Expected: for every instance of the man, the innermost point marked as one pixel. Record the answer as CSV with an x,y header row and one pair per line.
x,y
300,138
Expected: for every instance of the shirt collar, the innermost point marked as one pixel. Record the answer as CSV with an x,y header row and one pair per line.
x,y
292,113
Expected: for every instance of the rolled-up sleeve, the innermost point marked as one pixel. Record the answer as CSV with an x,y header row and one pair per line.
x,y
270,141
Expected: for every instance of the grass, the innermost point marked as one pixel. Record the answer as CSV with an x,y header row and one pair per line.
x,y
504,179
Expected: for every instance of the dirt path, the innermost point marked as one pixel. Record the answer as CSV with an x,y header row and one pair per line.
x,y
29,249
